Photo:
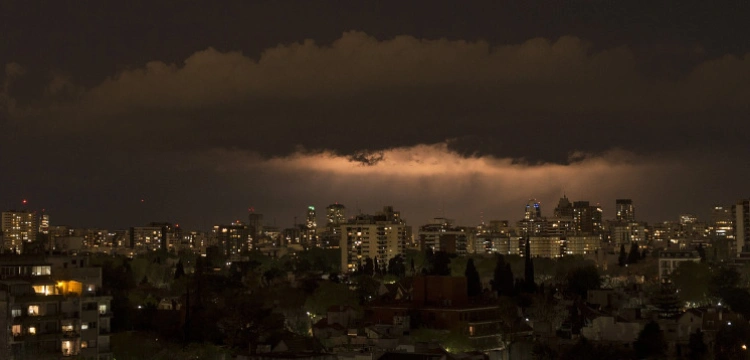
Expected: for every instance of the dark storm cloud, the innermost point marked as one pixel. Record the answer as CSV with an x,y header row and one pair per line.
x,y
473,111
540,100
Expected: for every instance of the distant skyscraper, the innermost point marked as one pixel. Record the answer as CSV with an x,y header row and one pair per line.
x,y
18,227
587,219
311,222
624,210
741,212
533,210
335,217
255,226
564,208
310,236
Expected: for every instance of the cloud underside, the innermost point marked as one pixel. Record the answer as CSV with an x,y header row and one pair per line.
x,y
421,124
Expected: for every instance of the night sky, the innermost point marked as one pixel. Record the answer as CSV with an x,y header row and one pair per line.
x,y
205,109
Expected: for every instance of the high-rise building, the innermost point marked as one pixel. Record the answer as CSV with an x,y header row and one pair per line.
x,y
154,237
335,214
18,228
378,237
310,235
741,211
335,217
533,210
564,208
255,226
587,219
624,210
44,224
233,239
442,235
722,223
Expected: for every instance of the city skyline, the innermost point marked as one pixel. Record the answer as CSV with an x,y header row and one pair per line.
x,y
135,112
302,219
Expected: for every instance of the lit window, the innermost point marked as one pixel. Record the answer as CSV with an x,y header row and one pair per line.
x,y
102,309
16,330
67,348
16,312
33,310
32,330
84,344
84,326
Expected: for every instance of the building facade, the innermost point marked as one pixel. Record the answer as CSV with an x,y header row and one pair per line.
x,y
18,228
378,237
53,308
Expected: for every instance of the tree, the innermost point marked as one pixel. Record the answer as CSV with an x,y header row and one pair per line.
x,y
507,282
474,285
329,294
369,268
667,301
508,312
498,274
738,300
622,260
702,252
528,269
441,262
179,270
583,279
693,280
650,342
396,266
634,255
698,348
724,278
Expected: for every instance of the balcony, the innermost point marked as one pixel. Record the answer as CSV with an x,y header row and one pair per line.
x,y
70,334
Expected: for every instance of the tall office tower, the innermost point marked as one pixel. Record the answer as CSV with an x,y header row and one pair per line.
x,y
378,237
311,222
722,223
587,219
533,210
624,210
741,212
255,226
18,228
310,229
564,208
